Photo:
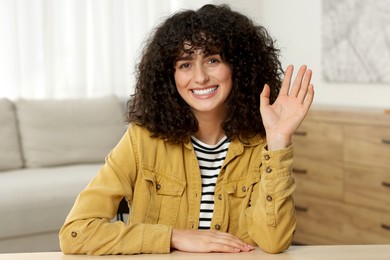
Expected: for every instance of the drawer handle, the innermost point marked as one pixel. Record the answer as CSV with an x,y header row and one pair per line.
x,y
384,226
299,171
386,141
299,208
386,184
302,133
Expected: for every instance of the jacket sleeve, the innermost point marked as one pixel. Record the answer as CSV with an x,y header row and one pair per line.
x,y
271,218
88,229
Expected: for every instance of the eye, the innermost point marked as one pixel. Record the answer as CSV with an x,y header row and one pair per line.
x,y
184,66
213,60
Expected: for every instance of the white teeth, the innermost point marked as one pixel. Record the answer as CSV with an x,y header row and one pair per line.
x,y
204,91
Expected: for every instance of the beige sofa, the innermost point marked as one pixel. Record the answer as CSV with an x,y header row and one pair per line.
x,y
49,151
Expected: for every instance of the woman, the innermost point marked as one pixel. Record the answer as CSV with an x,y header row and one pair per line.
x,y
206,162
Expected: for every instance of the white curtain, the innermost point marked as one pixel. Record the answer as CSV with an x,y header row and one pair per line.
x,y
75,48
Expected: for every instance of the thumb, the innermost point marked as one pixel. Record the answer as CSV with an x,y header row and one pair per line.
x,y
264,96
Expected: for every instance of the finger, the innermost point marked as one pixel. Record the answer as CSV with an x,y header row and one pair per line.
x,y
298,81
223,237
229,246
233,241
287,80
222,248
264,96
305,85
309,97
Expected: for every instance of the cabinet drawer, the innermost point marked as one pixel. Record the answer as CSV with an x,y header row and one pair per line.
x,y
319,140
321,221
367,226
368,186
368,145
318,177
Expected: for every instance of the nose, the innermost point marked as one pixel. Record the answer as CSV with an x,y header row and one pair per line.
x,y
200,74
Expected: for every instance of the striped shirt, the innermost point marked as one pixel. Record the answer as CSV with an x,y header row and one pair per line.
x,y
210,159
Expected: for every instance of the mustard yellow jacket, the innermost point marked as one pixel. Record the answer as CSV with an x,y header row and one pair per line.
x,y
162,184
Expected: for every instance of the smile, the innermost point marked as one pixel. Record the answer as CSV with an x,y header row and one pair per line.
x,y
204,91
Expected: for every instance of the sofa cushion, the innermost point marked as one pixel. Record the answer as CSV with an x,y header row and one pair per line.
x,y
60,132
10,154
37,200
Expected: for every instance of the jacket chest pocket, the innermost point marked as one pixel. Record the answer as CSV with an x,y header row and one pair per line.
x,y
166,192
242,186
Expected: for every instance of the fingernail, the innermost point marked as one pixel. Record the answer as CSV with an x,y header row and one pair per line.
x,y
249,246
237,249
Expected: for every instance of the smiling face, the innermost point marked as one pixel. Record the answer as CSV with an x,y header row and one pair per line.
x,y
203,81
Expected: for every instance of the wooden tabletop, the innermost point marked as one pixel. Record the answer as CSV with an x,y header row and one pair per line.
x,y
355,252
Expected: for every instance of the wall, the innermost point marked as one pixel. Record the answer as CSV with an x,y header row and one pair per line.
x,y
296,25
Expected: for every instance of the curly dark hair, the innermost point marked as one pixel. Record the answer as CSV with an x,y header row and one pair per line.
x,y
246,47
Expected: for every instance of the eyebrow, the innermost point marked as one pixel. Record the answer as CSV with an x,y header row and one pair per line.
x,y
189,57
184,58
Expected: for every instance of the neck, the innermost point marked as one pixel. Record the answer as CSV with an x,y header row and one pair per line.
x,y
209,128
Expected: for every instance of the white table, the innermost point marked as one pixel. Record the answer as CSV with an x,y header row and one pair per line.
x,y
342,252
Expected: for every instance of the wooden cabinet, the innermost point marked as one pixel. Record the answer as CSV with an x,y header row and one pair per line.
x,y
342,171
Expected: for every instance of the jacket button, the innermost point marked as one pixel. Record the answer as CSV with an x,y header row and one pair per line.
x,y
268,169
266,157
73,234
243,189
217,227
220,196
269,197
158,186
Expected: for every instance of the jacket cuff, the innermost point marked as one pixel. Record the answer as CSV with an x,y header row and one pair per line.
x,y
277,163
156,239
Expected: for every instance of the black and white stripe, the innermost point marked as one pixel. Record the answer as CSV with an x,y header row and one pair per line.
x,y
210,159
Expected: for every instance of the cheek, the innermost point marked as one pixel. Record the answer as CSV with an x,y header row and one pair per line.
x,y
226,77
182,81
180,86
224,72
179,80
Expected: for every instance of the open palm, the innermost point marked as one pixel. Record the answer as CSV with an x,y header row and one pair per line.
x,y
284,116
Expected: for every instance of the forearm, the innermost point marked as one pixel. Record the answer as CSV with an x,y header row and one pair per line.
x,y
100,237
271,218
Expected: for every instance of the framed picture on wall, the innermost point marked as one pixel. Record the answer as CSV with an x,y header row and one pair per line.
x,y
356,41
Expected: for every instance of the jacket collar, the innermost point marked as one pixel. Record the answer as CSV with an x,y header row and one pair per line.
x,y
236,144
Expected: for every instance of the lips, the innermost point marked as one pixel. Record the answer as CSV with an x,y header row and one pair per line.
x,y
204,91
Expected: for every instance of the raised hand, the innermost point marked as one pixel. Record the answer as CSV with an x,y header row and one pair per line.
x,y
284,116
207,241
